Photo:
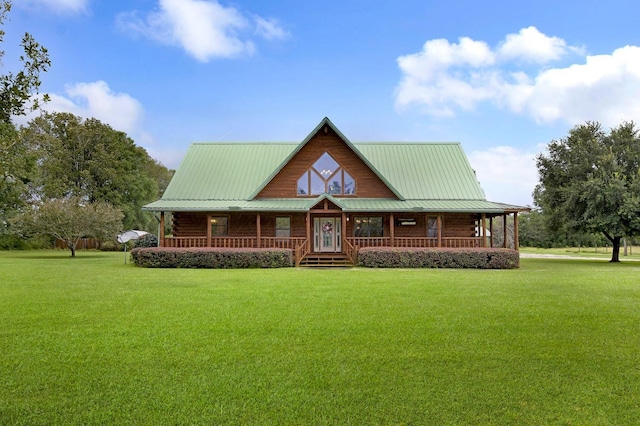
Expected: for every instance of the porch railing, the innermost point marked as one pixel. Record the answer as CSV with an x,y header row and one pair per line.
x,y
417,242
184,242
294,242
369,241
462,242
279,242
350,251
301,250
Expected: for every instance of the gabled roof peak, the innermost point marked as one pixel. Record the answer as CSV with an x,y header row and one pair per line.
x,y
325,124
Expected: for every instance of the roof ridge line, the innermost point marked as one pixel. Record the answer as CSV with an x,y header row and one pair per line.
x,y
406,143
245,143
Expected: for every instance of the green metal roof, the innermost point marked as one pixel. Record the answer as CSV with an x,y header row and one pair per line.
x,y
347,205
227,176
425,171
225,171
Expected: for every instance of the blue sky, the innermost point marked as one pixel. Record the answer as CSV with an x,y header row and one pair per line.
x,y
504,78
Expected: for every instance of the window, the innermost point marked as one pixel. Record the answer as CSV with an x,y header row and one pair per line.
x,y
326,176
432,227
283,227
349,184
219,226
368,226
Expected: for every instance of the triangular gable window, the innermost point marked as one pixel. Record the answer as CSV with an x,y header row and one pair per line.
x,y
326,176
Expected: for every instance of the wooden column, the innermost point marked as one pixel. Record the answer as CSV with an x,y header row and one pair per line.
x,y
506,234
309,231
439,230
208,229
516,243
491,232
484,230
161,233
392,230
344,229
258,230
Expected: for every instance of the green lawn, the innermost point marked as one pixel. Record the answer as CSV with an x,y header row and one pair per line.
x,y
93,341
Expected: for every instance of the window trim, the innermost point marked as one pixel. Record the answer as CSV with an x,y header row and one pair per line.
x,y
368,218
288,229
312,171
432,230
216,226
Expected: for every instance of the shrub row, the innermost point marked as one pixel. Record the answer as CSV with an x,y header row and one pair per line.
x,y
479,258
162,257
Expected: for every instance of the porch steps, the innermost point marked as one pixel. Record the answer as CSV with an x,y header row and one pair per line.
x,y
331,260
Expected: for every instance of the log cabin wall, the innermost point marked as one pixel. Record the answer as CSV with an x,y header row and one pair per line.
x,y
460,225
186,224
284,184
242,224
417,230
454,225
298,224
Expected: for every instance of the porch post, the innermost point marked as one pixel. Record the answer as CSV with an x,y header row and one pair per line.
x,y
439,230
208,229
506,234
392,230
491,232
516,243
484,230
258,230
344,229
161,233
309,229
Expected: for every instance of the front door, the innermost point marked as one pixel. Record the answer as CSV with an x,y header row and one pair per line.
x,y
327,235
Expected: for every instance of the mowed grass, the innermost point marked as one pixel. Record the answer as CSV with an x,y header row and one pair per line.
x,y
93,341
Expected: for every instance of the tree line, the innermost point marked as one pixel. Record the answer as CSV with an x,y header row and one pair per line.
x,y
62,174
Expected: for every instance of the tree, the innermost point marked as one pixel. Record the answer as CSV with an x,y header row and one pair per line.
x,y
90,160
71,219
17,166
19,91
590,182
18,94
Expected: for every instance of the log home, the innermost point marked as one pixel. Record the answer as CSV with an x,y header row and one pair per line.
x,y
326,197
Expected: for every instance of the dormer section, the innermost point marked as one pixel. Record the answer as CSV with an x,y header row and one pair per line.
x,y
326,163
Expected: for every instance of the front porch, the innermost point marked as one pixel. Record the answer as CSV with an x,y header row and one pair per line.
x,y
328,231
301,245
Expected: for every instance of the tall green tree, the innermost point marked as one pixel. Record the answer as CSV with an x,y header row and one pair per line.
x,y
17,167
88,159
19,90
19,93
70,219
590,182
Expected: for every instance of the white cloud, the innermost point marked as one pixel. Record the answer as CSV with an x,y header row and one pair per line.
x,y
119,110
605,88
506,174
95,100
203,28
445,78
530,45
270,29
61,6
426,80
